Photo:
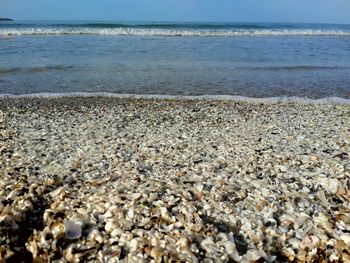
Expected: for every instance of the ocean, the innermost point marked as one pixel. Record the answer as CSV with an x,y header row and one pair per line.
x,y
260,60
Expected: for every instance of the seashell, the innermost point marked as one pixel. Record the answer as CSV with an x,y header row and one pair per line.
x,y
310,242
181,173
40,190
207,207
322,220
345,257
322,197
130,213
156,252
25,204
76,165
72,230
289,253
341,190
300,138
330,185
166,228
295,243
57,229
109,226
314,158
18,215
346,238
12,195
116,232
5,253
254,255
108,214
230,248
282,168
70,254
287,220
136,196
82,211
95,235
343,217
153,197
59,193
183,243
347,167
333,258
127,224
49,182
164,213
133,245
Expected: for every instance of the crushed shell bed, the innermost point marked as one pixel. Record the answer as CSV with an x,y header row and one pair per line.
x,y
100,179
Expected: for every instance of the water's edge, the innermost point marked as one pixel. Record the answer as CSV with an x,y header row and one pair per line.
x,y
328,100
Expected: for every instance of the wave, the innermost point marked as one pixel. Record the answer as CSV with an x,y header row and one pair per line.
x,y
294,68
165,25
169,32
4,71
301,100
33,70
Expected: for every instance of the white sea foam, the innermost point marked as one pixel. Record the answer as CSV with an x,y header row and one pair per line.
x,y
170,32
327,100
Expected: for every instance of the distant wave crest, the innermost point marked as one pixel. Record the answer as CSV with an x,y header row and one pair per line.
x,y
121,31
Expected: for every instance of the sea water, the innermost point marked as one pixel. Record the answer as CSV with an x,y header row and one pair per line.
x,y
186,59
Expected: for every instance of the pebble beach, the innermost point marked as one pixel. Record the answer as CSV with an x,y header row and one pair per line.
x,y
100,179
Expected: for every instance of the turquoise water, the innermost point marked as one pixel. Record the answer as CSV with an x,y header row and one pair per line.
x,y
254,60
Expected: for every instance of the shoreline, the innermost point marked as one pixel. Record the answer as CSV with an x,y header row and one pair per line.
x,y
104,178
233,98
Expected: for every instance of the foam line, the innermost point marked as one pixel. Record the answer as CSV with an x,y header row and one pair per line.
x,y
170,32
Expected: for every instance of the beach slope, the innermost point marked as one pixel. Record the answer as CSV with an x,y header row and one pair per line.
x,y
98,178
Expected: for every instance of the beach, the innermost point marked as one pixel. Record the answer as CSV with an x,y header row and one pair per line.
x,y
97,179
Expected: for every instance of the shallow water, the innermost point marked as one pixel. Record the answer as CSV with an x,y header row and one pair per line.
x,y
254,60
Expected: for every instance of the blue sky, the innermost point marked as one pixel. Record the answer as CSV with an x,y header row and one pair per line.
x,y
323,11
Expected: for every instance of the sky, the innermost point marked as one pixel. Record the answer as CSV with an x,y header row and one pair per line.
x,y
313,11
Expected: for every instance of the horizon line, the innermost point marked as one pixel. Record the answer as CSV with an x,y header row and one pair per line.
x,y
173,21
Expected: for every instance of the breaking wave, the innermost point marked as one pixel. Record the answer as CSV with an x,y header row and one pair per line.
x,y
132,31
